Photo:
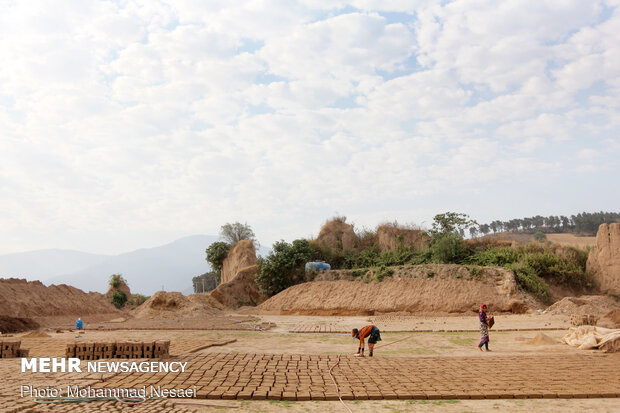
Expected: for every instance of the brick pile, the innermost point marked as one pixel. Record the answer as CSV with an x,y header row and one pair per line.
x,y
119,350
10,349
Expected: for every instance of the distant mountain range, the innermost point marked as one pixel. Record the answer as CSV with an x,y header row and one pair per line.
x,y
169,267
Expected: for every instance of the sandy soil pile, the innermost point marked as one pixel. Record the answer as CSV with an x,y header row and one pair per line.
x,y
541,339
441,293
176,305
20,298
597,305
15,324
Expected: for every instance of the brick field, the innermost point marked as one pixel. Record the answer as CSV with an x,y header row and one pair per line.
x,y
306,377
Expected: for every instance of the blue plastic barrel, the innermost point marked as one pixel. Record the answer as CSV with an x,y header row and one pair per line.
x,y
317,266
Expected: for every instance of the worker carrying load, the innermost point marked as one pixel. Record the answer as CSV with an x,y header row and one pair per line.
x,y
373,335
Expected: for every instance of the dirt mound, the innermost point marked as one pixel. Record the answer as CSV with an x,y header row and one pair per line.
x,y
604,259
541,339
21,298
614,316
176,305
15,325
242,255
241,291
412,295
502,278
390,237
611,319
597,305
36,334
337,234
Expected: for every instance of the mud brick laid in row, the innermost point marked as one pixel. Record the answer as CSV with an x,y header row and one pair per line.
x,y
70,350
162,349
9,349
148,349
118,350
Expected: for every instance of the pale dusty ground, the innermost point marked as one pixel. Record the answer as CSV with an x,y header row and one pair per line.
x,y
415,344
571,240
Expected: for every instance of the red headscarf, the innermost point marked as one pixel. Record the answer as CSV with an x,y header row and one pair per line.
x,y
482,307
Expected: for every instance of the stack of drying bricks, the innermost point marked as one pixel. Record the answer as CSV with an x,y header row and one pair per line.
x,y
10,349
119,350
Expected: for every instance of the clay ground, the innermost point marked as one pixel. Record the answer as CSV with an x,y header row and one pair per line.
x,y
429,366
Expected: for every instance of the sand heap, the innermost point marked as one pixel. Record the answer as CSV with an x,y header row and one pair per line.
x,y
596,305
20,298
238,287
604,259
337,234
390,237
242,255
493,286
541,339
176,305
16,324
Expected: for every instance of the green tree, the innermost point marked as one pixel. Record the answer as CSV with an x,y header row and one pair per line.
x,y
451,222
206,282
446,244
233,233
284,266
216,254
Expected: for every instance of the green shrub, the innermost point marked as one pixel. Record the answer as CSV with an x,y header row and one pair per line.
x,y
116,280
528,280
495,256
283,267
384,272
137,300
359,272
119,298
540,236
448,249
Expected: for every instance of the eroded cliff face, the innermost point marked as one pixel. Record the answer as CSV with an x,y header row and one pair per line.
x,y
604,259
242,255
238,287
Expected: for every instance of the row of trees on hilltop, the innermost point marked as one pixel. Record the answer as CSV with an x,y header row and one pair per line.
x,y
584,223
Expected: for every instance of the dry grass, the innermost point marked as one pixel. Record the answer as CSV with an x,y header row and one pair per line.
x,y
570,240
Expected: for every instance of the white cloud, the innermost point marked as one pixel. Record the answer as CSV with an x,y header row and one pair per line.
x,y
166,118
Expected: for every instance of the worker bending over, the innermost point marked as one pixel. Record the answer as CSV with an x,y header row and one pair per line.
x,y
373,335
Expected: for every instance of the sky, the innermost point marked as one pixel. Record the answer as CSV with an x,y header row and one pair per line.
x,y
128,124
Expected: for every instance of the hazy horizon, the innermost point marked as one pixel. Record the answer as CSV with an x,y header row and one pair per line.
x,y
126,125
